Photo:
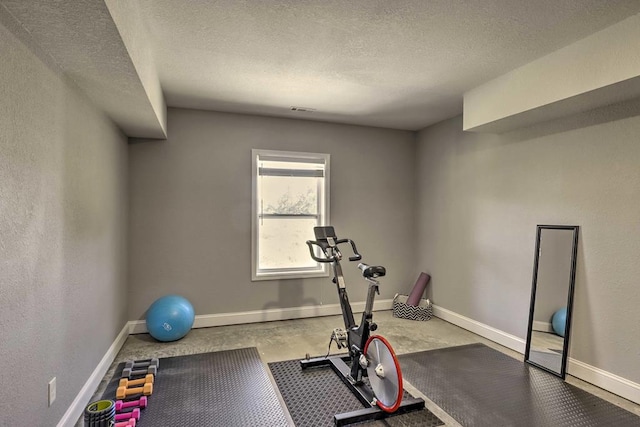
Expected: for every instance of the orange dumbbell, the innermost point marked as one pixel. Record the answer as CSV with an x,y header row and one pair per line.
x,y
125,382
123,392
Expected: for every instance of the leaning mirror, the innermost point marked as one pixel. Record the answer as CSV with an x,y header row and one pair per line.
x,y
554,270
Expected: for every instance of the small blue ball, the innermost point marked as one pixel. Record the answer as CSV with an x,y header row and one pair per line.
x,y
559,321
170,318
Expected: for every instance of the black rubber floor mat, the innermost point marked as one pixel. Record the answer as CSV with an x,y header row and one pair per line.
x,y
313,396
225,388
479,386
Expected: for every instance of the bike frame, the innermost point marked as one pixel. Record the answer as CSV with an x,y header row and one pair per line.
x,y
357,335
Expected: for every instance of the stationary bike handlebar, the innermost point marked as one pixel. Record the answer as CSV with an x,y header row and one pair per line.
x,y
324,245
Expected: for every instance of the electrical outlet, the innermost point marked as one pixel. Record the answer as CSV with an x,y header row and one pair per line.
x,y
52,391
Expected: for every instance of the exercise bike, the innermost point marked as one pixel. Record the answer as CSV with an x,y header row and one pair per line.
x,y
370,369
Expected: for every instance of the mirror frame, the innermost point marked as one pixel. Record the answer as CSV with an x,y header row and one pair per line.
x,y
572,279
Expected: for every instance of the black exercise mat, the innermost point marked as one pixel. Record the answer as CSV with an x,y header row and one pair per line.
x,y
224,388
479,386
314,395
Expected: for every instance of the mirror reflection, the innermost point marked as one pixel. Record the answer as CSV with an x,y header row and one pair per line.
x,y
551,297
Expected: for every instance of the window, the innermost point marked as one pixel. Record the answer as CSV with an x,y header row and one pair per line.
x,y
290,197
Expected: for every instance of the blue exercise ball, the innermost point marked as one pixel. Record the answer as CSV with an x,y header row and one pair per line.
x,y
170,318
559,321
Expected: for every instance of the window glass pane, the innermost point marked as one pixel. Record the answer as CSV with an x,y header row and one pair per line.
x,y
282,243
289,195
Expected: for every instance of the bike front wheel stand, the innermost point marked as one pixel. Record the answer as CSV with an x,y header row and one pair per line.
x,y
371,411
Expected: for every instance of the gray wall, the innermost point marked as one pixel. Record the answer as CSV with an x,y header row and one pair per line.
x,y
190,199
480,198
62,236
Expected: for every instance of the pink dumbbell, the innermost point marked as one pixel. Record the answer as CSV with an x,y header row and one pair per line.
x,y
126,415
130,423
140,403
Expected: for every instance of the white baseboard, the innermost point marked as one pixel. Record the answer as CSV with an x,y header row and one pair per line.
x,y
76,409
598,377
255,316
605,380
486,331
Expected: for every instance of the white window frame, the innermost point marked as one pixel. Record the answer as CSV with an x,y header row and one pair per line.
x,y
321,269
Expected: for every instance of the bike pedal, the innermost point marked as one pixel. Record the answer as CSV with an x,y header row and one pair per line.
x,y
340,337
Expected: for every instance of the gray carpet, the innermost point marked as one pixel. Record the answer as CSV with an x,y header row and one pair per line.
x,y
479,386
225,388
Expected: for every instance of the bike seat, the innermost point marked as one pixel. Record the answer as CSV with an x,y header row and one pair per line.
x,y
374,271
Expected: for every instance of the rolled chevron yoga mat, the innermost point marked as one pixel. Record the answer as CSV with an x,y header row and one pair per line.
x,y
418,289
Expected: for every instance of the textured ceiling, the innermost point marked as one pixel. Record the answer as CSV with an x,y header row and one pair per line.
x,y
398,64
401,64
